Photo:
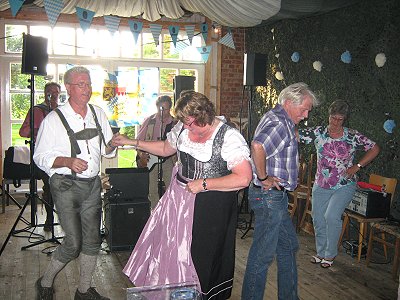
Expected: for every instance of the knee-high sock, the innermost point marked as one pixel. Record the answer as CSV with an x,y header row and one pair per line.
x,y
87,266
51,272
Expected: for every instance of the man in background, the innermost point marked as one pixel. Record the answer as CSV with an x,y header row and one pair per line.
x,y
150,130
52,92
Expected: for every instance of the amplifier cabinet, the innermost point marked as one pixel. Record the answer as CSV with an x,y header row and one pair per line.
x,y
370,204
124,221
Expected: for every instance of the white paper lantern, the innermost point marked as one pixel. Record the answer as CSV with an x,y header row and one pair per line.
x,y
380,59
317,65
279,75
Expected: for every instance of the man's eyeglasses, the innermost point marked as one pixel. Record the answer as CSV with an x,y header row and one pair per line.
x,y
82,85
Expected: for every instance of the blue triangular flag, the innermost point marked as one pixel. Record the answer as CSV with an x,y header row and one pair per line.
x,y
205,52
180,46
15,6
227,40
174,31
136,28
190,32
156,30
112,23
85,17
53,9
112,77
204,31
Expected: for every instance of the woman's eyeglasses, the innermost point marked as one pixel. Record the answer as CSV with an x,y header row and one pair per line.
x,y
336,118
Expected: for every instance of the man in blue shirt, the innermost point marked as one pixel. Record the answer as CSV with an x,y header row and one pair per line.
x,y
275,160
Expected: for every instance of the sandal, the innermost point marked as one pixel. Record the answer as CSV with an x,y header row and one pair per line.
x,y
326,263
316,259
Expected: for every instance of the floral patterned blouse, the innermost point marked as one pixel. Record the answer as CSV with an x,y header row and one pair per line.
x,y
334,156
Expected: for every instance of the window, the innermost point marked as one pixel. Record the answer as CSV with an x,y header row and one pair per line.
x,y
143,71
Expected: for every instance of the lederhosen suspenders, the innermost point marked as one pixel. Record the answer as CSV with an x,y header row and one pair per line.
x,y
81,135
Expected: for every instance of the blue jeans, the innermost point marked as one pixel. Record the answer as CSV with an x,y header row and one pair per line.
x,y
274,234
327,210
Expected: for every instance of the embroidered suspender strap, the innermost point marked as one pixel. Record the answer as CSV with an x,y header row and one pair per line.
x,y
74,143
101,135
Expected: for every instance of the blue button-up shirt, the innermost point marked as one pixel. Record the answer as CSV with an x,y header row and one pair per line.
x,y
275,132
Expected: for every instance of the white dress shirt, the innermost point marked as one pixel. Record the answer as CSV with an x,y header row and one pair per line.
x,y
53,141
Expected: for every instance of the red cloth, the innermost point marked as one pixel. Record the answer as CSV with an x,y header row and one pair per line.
x,y
366,185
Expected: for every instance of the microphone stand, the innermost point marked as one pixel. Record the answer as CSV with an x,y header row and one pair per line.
x,y
160,182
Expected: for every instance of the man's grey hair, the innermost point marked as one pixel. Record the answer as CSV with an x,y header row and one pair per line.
x,y
297,93
75,70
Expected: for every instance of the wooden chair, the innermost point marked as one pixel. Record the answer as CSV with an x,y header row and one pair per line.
x,y
383,229
364,221
306,219
296,194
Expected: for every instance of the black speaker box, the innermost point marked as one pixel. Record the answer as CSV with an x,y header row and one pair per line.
x,y
255,67
183,83
34,55
128,183
124,221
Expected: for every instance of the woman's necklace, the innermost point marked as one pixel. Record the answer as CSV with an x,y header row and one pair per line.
x,y
335,133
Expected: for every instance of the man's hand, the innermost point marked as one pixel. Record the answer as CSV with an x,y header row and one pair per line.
x,y
76,164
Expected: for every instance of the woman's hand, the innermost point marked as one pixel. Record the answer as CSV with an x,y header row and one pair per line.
x,y
195,186
351,171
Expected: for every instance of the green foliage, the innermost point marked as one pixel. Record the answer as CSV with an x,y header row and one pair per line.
x,y
365,29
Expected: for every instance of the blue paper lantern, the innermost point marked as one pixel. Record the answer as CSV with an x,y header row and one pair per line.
x,y
346,57
389,125
295,57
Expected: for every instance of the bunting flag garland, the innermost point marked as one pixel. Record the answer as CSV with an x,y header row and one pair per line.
x,y
190,32
174,31
53,9
112,77
227,40
15,6
180,46
204,31
85,17
205,52
112,23
156,31
136,28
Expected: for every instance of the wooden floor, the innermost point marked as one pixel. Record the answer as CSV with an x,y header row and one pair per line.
x,y
19,269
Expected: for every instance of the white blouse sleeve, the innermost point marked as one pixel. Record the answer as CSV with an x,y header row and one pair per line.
x,y
172,136
234,149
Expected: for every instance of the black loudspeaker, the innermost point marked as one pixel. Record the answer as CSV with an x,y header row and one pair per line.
x,y
124,221
128,183
255,67
183,83
34,55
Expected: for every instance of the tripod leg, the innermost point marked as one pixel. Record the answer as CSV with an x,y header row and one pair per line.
x,y
15,225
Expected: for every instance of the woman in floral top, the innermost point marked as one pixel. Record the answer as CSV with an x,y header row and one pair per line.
x,y
335,179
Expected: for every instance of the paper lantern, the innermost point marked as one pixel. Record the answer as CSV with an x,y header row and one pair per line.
x,y
317,65
389,125
279,75
277,55
380,59
295,57
346,57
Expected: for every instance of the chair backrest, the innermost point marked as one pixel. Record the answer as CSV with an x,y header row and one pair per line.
x,y
380,180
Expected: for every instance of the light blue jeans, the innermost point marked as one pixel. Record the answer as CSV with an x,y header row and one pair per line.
x,y
274,235
327,209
